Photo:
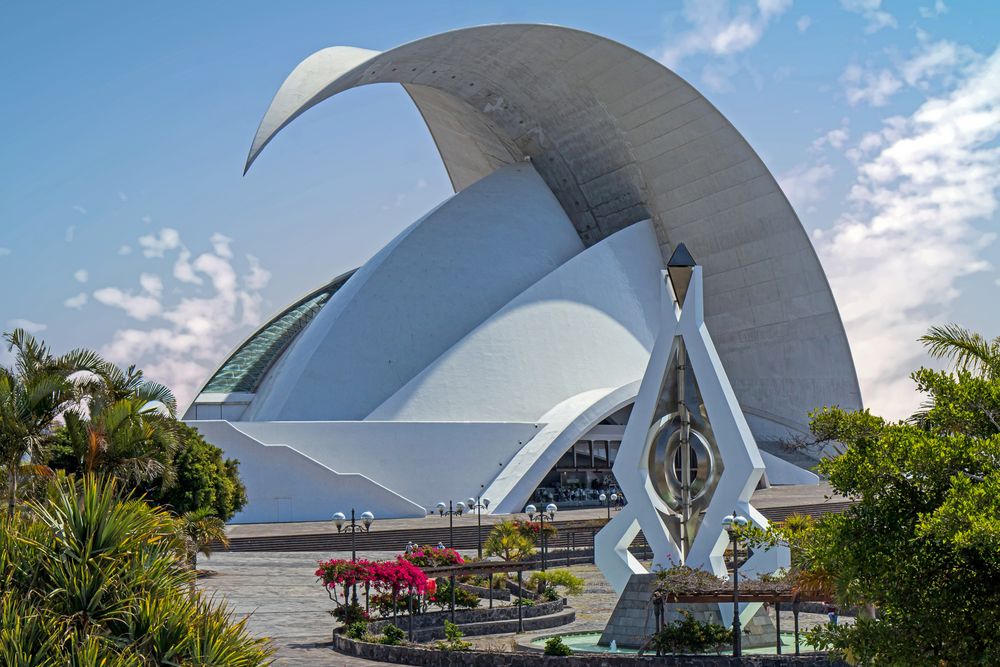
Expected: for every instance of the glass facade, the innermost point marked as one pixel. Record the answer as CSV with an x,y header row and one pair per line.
x,y
244,370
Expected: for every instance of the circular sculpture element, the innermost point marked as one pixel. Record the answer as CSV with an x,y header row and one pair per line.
x,y
664,444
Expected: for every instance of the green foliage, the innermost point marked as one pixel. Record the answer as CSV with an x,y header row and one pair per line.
x,y
556,646
563,578
453,639
922,545
464,599
392,636
523,602
508,541
357,630
90,579
351,613
550,594
202,479
689,635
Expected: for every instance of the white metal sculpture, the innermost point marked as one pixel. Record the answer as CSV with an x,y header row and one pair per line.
x,y
688,458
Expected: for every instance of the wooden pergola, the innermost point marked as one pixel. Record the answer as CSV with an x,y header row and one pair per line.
x,y
776,595
487,568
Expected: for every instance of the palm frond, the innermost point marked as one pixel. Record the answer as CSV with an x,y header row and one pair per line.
x,y
967,350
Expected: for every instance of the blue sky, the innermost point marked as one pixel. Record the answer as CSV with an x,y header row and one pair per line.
x,y
126,224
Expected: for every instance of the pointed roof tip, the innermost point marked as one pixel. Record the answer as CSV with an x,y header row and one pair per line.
x,y
681,257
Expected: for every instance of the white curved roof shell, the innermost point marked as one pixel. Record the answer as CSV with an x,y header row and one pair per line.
x,y
618,138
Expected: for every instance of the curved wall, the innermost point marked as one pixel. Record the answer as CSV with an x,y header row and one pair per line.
x,y
589,324
418,296
619,138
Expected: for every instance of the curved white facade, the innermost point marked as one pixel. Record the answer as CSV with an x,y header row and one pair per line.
x,y
530,298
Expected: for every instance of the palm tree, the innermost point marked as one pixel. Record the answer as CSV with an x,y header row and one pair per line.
x,y
33,394
968,350
201,530
509,541
122,425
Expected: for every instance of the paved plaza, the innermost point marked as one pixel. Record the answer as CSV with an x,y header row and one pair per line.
x,y
279,593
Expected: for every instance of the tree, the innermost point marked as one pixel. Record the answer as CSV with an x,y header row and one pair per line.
x,y
89,578
202,478
201,529
509,541
33,394
921,547
967,350
122,425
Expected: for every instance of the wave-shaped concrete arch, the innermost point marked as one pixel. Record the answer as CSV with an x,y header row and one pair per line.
x,y
619,138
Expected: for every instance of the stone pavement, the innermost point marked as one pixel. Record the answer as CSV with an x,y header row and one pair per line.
x,y
776,496
279,593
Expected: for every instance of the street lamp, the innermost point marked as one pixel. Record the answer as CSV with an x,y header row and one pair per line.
x,y
732,524
532,512
353,528
451,511
479,504
608,501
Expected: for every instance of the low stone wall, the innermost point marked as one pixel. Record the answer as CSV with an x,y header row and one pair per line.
x,y
478,615
429,657
484,593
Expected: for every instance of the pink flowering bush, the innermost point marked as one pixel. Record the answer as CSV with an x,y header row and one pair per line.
x,y
428,556
384,578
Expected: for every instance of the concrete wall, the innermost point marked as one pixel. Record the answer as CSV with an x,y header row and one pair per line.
x,y
427,289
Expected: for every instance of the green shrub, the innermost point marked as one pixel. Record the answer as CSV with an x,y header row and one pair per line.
x,y
357,630
464,599
453,639
571,584
350,613
524,602
87,578
550,594
392,636
689,635
556,646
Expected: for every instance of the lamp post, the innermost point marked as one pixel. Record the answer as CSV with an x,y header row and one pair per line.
x,y
451,511
353,528
458,508
479,504
532,512
608,501
732,524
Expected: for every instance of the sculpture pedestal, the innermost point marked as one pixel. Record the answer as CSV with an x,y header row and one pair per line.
x,y
632,622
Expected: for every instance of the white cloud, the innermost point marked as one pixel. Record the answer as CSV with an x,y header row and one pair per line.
x,y
125,250
152,284
81,275
189,336
872,11
835,138
136,306
938,9
154,245
258,277
27,325
70,233
220,242
924,182
719,28
4,252
77,302
147,218
936,59
79,209
875,88
122,196
803,184
183,270
803,23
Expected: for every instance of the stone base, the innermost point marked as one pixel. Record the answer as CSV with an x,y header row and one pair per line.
x,y
632,622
